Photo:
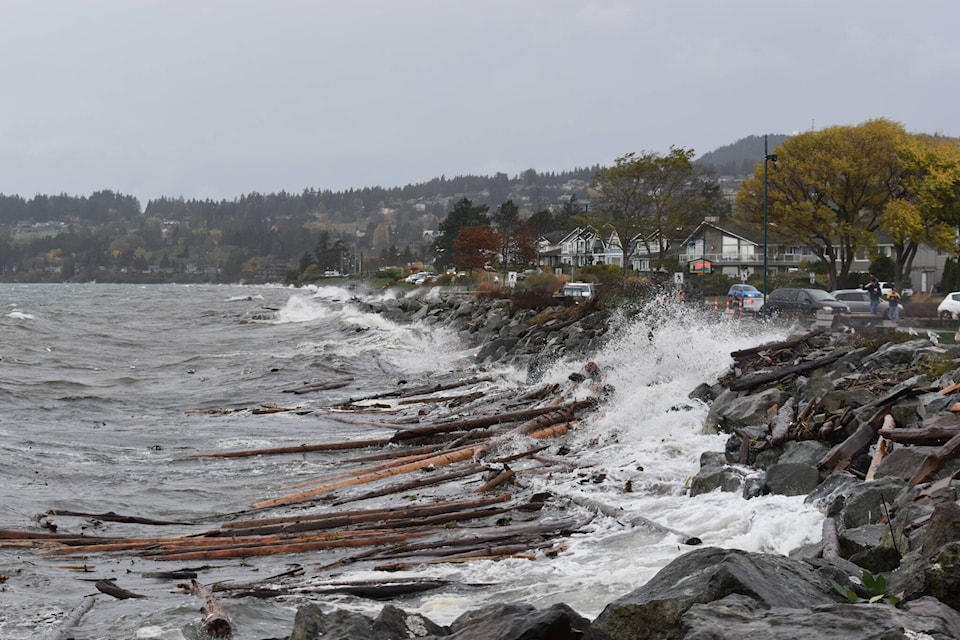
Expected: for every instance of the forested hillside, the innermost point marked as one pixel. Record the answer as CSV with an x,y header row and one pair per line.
x,y
107,236
740,158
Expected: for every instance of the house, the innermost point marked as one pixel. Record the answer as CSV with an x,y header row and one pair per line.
x,y
584,246
729,248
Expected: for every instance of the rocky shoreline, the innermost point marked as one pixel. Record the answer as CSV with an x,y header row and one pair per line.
x,y
812,416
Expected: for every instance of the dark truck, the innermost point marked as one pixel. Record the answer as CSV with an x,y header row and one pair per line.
x,y
803,301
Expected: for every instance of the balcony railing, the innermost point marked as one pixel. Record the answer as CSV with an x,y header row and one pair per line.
x,y
748,258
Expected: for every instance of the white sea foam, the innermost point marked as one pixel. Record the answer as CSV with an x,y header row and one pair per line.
x,y
647,433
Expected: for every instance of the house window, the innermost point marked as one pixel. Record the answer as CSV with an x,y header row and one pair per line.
x,y
731,248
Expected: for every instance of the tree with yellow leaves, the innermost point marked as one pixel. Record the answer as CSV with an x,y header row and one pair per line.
x,y
833,190
827,191
927,207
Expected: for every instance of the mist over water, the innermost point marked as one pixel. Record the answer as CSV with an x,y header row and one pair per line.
x,y
101,384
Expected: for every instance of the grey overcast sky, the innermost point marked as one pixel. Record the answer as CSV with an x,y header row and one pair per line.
x,y
217,98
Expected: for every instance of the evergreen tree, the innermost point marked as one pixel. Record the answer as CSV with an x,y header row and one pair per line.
x,y
464,215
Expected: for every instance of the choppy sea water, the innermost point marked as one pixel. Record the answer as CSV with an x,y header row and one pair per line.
x,y
109,390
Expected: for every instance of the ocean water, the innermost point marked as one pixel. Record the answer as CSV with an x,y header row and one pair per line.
x,y
109,391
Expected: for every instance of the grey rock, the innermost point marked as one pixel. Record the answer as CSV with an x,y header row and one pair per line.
x,y
519,622
731,411
656,609
832,491
741,617
712,459
868,502
791,479
803,451
728,479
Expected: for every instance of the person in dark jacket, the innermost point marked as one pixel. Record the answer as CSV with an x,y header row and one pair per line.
x,y
873,289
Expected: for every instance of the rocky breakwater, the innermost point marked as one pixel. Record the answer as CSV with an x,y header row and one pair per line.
x,y
503,330
865,427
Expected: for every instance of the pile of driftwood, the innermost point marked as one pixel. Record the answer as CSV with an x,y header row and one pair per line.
x,y
477,452
852,429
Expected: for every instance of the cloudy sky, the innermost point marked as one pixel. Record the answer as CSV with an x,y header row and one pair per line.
x,y
217,98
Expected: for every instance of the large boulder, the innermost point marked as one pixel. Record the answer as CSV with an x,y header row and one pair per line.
x,y
311,623
655,610
739,616
791,479
731,411
519,622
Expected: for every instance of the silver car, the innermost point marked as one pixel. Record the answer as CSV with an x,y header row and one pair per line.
x,y
859,301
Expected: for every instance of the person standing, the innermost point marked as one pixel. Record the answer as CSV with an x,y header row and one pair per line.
x,y
894,299
873,289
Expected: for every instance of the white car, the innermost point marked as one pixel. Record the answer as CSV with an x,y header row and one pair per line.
x,y
950,307
418,278
887,287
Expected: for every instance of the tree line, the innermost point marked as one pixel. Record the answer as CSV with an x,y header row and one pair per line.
x,y
835,191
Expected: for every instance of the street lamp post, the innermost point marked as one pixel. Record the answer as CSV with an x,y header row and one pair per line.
x,y
767,157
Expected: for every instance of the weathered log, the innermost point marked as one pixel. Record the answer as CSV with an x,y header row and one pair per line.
x,y
259,584
234,543
807,410
458,400
170,575
396,462
65,630
522,454
491,536
831,541
925,436
280,549
842,454
440,460
319,386
881,450
334,520
381,590
486,421
481,552
934,460
621,516
110,588
215,621
782,421
393,452
540,393
432,479
952,388
110,516
409,393
551,432
300,448
775,346
504,476
755,380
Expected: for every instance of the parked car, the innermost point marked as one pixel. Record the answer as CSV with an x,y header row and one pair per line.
x,y
887,287
859,301
949,308
741,291
805,301
579,290
419,278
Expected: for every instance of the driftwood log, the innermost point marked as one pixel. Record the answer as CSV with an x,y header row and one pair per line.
x,y
215,621
110,588
755,380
